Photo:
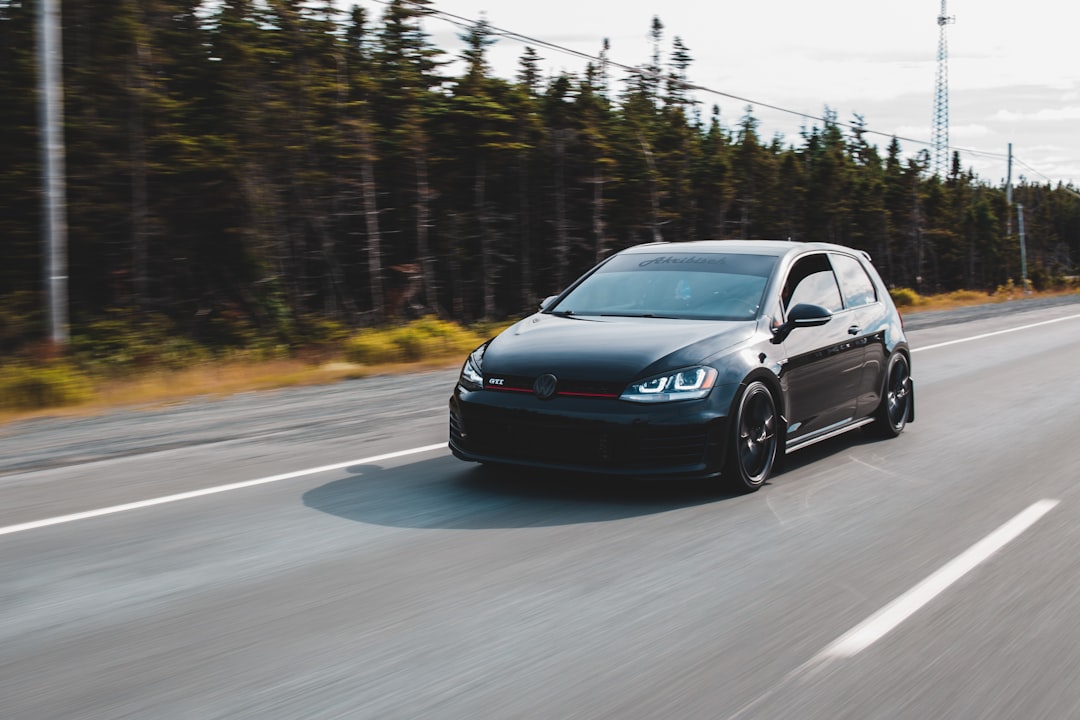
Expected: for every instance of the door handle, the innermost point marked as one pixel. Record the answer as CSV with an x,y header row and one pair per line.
x,y
853,330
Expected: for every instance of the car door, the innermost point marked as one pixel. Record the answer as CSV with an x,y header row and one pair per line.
x,y
823,365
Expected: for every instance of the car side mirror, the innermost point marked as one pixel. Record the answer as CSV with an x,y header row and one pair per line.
x,y
800,316
546,302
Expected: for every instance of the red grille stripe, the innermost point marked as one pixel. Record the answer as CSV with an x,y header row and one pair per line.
x,y
503,388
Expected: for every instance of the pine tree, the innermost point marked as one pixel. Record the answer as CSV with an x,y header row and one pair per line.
x,y
755,169
407,73
482,122
561,131
713,179
360,128
528,135
21,271
869,215
594,111
829,180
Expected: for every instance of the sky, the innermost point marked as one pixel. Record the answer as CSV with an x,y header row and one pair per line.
x,y
1013,71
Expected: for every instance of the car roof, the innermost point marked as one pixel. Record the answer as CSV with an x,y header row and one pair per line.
x,y
778,248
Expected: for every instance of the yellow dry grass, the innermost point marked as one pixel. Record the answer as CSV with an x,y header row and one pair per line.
x,y
969,298
218,380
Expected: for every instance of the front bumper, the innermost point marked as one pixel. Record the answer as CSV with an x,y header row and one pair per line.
x,y
679,440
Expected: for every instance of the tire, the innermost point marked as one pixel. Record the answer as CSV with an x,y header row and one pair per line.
x,y
892,414
754,441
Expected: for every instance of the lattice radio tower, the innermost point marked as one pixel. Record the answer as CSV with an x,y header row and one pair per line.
x,y
939,162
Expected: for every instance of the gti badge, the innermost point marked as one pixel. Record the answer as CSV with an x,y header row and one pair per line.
x,y
545,386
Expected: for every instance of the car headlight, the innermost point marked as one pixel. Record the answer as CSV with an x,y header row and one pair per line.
x,y
690,384
472,376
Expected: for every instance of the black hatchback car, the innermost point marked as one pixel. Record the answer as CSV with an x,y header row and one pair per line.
x,y
693,360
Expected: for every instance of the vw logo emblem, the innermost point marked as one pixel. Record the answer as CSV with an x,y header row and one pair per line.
x,y
545,386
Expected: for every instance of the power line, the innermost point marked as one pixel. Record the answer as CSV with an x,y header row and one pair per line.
x,y
464,22
1025,165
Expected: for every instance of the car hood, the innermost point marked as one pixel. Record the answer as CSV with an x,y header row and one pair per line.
x,y
608,348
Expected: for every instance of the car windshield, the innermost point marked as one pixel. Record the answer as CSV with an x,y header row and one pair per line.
x,y
712,286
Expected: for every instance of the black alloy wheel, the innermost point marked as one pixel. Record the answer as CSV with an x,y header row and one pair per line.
x,y
755,442
892,414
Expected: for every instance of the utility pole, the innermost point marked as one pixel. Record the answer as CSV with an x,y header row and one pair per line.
x,y
1008,196
1023,249
54,209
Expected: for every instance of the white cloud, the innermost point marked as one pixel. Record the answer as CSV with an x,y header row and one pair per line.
x,y
1044,115
972,131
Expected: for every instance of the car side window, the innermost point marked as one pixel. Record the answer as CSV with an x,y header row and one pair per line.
x,y
856,286
812,281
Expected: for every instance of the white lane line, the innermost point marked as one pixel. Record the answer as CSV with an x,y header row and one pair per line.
x,y
59,520
889,617
992,334
883,621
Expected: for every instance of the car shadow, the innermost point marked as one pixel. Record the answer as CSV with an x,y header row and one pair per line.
x,y
443,493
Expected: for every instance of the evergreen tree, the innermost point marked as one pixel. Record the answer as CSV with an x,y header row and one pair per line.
x,y
713,183
20,202
755,170
525,107
360,128
828,184
407,71
594,113
483,123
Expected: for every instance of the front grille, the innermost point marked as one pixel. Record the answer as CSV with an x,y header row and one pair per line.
x,y
590,389
576,388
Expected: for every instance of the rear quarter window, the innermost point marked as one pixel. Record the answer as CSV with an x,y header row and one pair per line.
x,y
855,284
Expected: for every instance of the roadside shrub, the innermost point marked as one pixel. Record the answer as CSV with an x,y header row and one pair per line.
x,y
323,331
904,297
120,343
32,387
1007,291
372,347
425,339
414,343
430,338
1042,279
966,297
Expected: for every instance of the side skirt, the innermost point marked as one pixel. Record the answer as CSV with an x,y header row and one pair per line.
x,y
807,442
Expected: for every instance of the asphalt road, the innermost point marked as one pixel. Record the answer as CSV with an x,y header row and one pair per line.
x,y
317,553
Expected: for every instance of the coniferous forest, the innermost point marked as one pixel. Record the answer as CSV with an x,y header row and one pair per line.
x,y
274,165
